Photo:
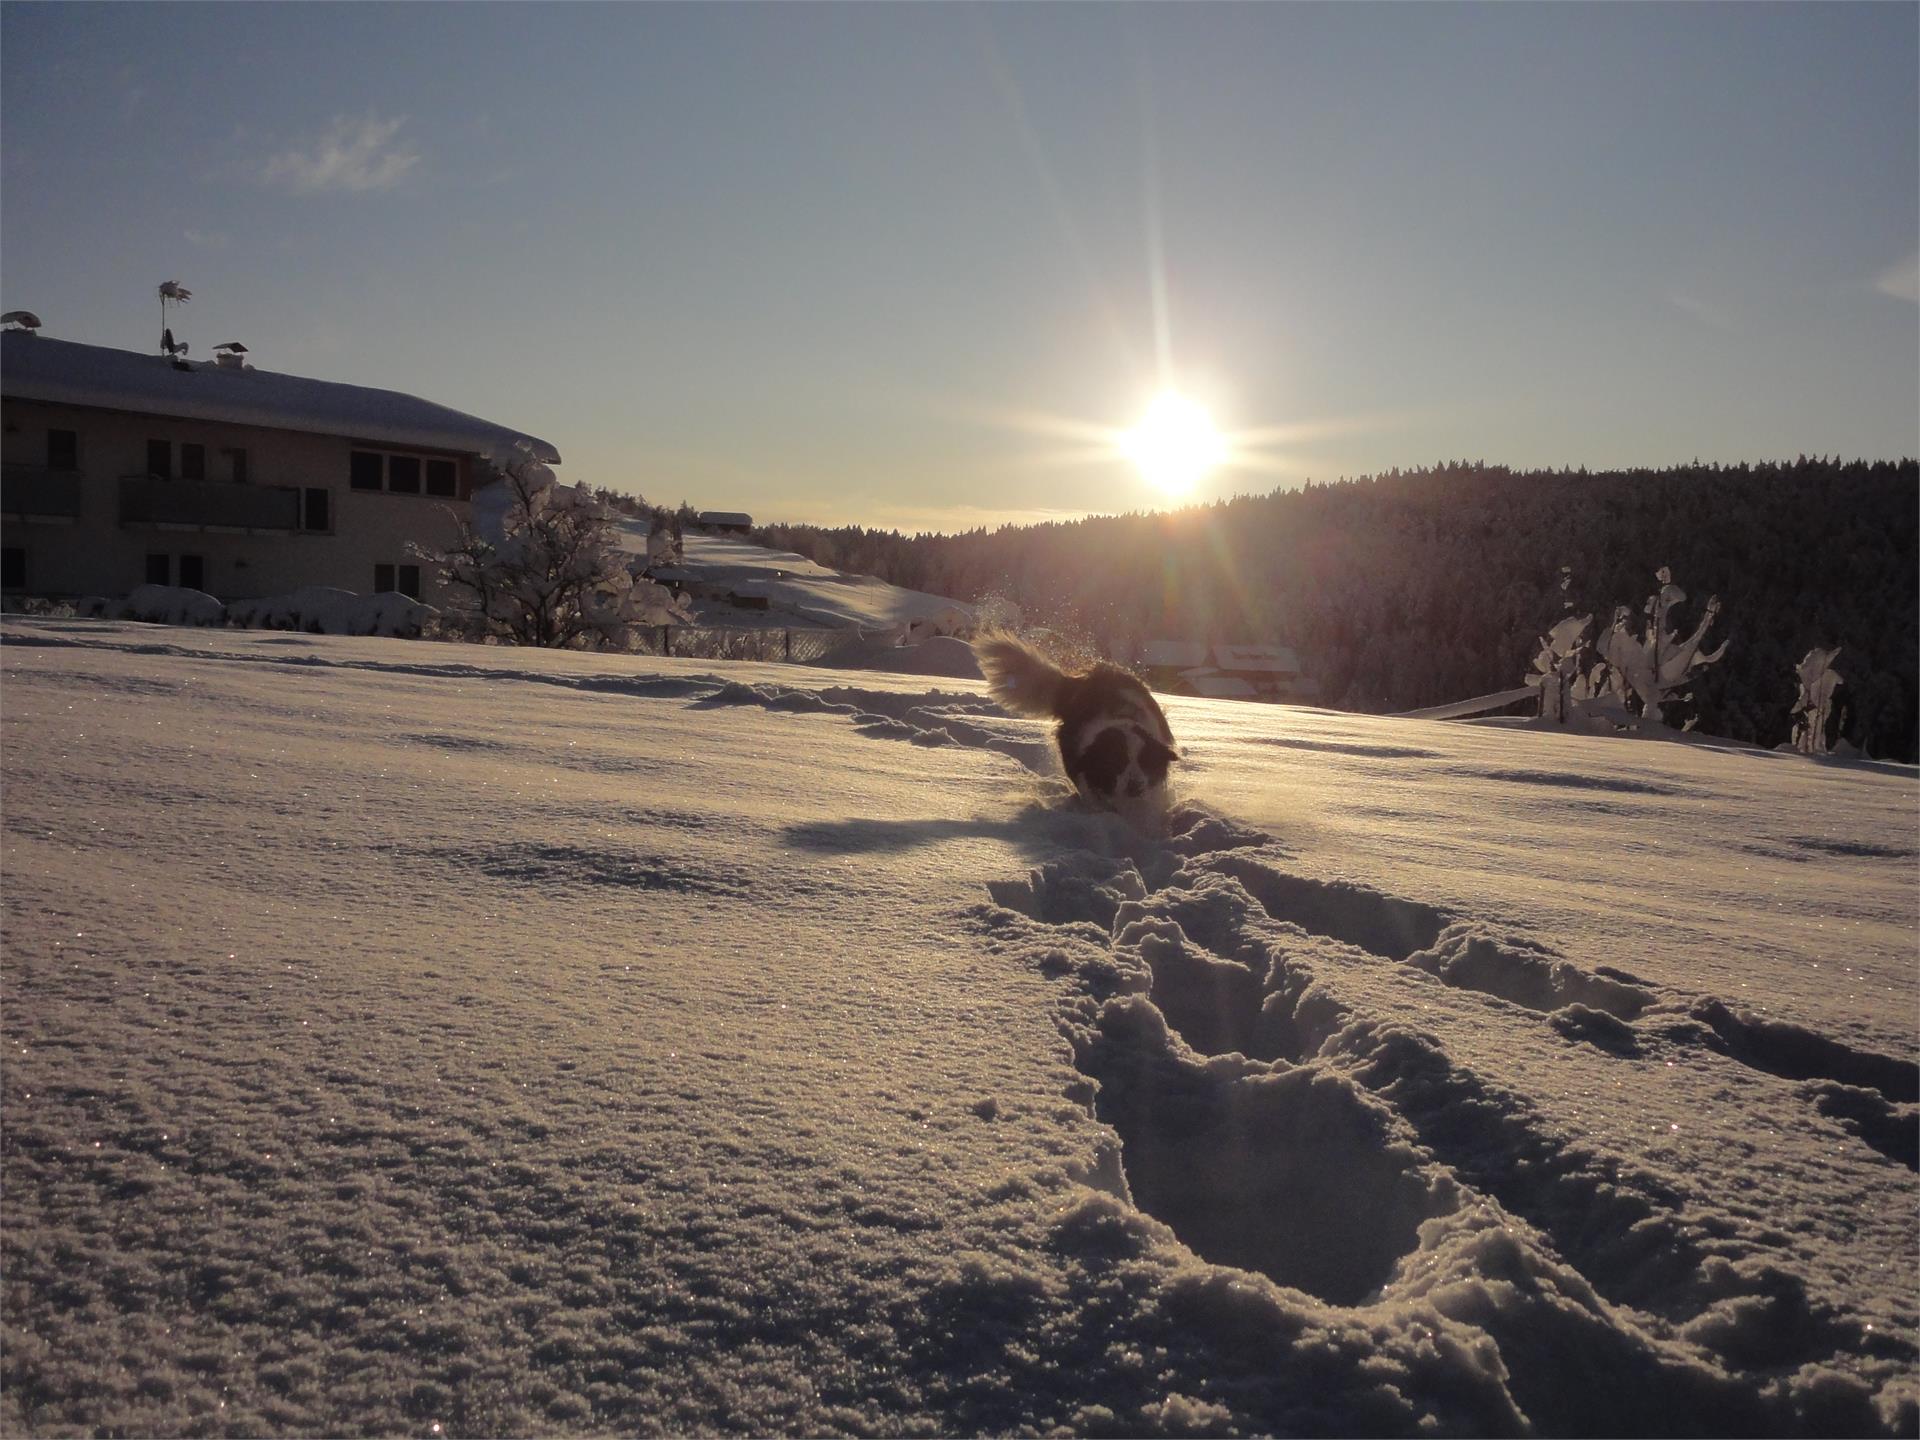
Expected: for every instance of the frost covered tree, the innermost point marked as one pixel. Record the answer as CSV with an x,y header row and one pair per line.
x,y
1653,667
1813,706
1559,667
541,562
663,545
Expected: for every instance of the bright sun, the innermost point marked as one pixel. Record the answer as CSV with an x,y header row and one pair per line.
x,y
1175,444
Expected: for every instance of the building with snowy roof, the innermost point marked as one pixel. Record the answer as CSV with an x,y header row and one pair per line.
x,y
1226,672
122,469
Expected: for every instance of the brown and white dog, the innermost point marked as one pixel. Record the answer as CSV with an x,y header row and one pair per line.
x,y
1114,741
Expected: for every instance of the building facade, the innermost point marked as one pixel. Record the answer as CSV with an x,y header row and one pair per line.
x,y
1226,672
122,469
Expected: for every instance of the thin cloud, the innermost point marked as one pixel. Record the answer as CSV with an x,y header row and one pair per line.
x,y
351,154
1902,281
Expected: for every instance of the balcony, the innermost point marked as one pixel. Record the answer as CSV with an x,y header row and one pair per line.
x,y
207,505
33,492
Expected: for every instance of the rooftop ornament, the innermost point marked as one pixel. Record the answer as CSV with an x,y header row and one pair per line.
x,y
172,292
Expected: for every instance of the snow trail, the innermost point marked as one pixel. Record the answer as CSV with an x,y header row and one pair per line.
x,y
1245,1089
1279,1119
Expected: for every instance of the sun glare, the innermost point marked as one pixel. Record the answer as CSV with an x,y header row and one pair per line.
x,y
1175,444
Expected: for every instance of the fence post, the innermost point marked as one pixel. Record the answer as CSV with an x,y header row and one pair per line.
x,y
666,640
787,644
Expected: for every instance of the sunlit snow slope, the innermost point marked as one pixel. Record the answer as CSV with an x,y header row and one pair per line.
x,y
798,592
401,1036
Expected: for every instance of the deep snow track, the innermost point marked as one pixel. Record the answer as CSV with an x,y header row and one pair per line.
x,y
529,1137
1269,1049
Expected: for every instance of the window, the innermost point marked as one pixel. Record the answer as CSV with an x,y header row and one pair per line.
x,y
193,572
159,570
239,456
313,509
160,460
404,578
13,567
193,462
403,474
63,450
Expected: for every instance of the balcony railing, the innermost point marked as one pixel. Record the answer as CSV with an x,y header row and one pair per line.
x,y
147,501
33,492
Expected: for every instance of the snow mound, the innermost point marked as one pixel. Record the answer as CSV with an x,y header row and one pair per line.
x,y
325,610
157,605
932,719
944,655
317,609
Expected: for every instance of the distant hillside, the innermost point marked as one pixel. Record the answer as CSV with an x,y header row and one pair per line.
x,y
1418,587
735,584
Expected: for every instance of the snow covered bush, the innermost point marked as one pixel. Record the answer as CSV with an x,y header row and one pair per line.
x,y
1559,669
167,605
1637,680
664,545
324,610
1813,705
1652,668
317,609
542,564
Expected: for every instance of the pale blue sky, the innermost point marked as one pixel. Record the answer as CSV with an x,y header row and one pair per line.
x,y
880,263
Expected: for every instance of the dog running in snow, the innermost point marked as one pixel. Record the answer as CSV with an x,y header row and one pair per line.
x,y
1114,741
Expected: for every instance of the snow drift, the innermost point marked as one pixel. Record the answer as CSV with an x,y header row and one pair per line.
x,y
503,1041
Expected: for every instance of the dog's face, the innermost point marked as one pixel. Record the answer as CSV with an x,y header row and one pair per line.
x,y
1121,766
1114,743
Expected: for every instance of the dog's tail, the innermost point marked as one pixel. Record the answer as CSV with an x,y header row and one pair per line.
x,y
1018,676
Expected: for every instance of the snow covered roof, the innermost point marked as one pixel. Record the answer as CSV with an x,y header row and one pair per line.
x,y
34,367
724,517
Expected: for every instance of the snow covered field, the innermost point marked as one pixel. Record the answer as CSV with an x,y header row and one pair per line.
x,y
450,1040
797,591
